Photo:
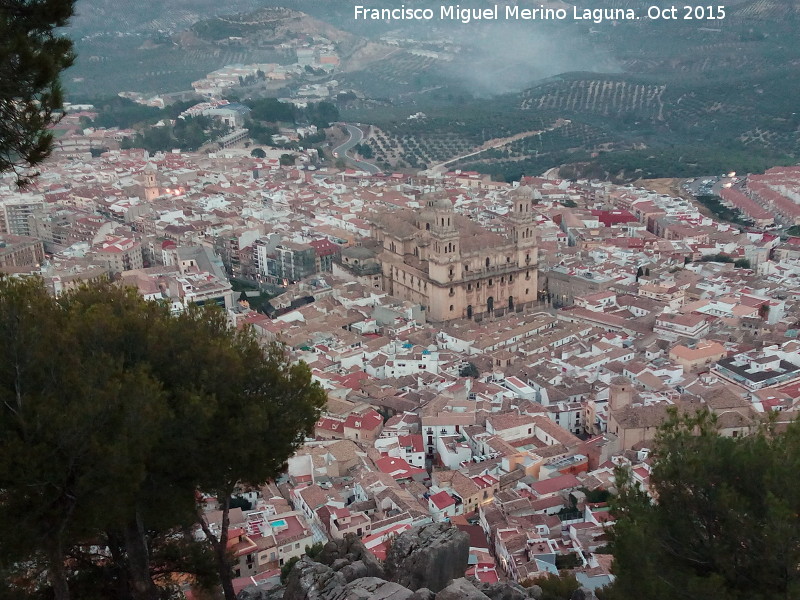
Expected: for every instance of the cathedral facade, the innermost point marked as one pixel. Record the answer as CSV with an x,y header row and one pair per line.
x,y
453,266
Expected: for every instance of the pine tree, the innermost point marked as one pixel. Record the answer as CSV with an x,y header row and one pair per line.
x,y
32,57
74,425
724,524
114,413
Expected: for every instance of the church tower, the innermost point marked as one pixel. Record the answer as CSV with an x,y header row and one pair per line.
x,y
522,226
522,231
445,251
151,191
620,393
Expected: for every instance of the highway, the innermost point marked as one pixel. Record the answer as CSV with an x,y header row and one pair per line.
x,y
355,138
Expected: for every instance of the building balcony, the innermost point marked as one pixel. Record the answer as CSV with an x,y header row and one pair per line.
x,y
492,270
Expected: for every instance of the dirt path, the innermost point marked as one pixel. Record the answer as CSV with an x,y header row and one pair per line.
x,y
493,144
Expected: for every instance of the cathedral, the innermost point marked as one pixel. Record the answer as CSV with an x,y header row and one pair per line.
x,y
454,267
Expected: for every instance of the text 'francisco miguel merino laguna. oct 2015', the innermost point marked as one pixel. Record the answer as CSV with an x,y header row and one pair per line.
x,y
455,12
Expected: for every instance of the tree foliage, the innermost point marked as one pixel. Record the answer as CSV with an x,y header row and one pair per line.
x,y
725,524
260,133
32,57
570,560
314,550
124,113
272,110
722,211
721,258
241,502
287,567
555,587
321,114
186,134
114,413
469,370
364,150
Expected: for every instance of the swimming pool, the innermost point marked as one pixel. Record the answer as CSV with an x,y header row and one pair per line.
x,y
278,523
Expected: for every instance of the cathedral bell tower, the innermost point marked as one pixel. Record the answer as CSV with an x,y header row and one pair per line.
x,y
445,251
522,226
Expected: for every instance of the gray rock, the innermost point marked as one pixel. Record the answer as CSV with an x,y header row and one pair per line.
x,y
423,594
356,570
583,593
338,553
372,588
535,592
332,551
503,591
461,589
339,564
259,593
421,562
311,580
430,556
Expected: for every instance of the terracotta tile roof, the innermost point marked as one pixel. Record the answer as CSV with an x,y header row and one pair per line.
x,y
555,484
442,500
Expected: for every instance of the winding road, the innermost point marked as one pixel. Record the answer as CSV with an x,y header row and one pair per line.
x,y
356,135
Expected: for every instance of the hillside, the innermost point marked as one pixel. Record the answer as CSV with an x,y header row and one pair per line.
x,y
155,50
703,93
706,94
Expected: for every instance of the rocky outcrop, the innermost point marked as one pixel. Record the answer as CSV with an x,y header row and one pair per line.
x,y
509,591
467,590
372,588
461,589
256,593
350,557
583,593
428,557
425,563
315,581
311,580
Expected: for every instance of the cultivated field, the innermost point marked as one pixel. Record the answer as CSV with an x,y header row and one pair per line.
x,y
602,96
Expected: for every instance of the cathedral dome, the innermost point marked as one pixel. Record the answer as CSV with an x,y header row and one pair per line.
x,y
524,192
439,201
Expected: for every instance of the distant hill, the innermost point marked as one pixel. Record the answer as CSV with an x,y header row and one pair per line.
x,y
94,16
687,97
168,47
701,92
